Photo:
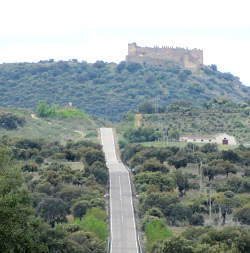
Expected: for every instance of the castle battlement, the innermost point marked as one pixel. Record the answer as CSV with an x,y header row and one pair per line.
x,y
189,58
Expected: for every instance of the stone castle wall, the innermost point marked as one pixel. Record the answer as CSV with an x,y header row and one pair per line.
x,y
191,59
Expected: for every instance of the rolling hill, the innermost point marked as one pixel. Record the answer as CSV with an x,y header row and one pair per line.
x,y
111,90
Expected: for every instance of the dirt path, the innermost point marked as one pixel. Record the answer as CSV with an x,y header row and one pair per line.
x,y
138,118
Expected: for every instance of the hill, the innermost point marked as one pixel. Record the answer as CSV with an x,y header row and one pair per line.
x,y
184,119
23,123
111,90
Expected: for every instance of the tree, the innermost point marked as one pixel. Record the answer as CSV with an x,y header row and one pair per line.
x,y
213,67
234,184
230,155
42,110
243,214
121,66
225,167
174,135
93,155
162,200
86,242
146,108
154,165
5,157
209,148
179,160
211,171
53,210
80,208
100,171
173,245
20,231
225,205
196,220
162,181
182,182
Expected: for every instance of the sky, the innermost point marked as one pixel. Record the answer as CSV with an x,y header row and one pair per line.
x,y
90,30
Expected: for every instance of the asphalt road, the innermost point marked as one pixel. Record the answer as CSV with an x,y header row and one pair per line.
x,y
122,221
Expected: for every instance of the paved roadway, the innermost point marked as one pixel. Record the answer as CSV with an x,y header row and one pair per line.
x,y
122,221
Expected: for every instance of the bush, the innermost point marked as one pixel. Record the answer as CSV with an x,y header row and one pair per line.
x,y
196,220
10,121
94,222
80,208
243,214
156,230
39,160
30,167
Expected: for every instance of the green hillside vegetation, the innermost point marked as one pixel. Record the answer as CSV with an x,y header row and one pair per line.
x,y
167,124
111,90
45,111
192,199
52,196
67,124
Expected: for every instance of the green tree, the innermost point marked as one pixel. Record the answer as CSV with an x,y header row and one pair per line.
x,y
182,182
173,245
211,171
100,171
80,208
154,165
86,242
147,108
53,210
243,214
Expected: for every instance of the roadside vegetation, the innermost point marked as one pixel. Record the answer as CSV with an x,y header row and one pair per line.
x,y
192,198
52,196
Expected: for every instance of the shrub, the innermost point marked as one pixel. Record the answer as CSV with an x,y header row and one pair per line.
x,y
156,230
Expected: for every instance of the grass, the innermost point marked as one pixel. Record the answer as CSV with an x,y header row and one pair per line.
x,y
156,230
94,222
70,113
53,129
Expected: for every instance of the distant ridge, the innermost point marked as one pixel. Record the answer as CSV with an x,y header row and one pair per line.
x,y
111,90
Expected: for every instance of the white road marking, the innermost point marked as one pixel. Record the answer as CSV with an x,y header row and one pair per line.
x,y
119,242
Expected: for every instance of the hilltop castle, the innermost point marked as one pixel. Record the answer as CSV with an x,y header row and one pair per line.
x,y
190,59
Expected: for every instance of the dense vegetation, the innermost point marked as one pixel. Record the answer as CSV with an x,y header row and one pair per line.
x,y
188,188
10,121
184,118
109,89
45,111
52,196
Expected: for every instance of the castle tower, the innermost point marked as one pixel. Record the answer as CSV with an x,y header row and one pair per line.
x,y
132,48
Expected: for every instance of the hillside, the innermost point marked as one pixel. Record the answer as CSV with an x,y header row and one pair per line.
x,y
111,90
233,120
184,119
49,129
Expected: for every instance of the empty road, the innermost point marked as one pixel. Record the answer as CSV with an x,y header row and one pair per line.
x,y
122,220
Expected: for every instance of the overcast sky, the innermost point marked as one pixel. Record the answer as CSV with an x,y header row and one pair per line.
x,y
33,30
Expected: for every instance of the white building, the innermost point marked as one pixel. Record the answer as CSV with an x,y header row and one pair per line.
x,y
221,138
